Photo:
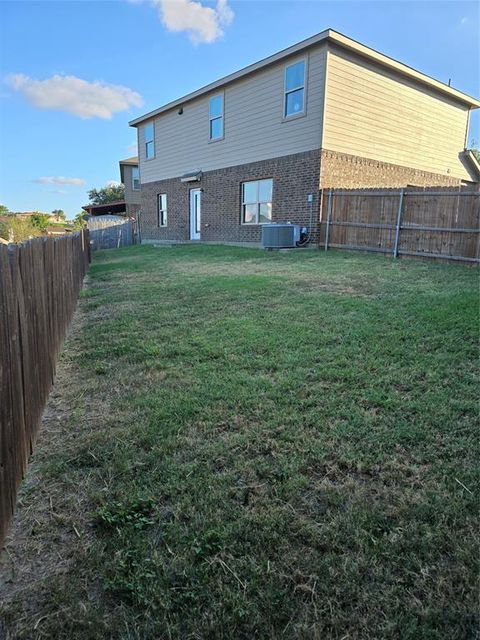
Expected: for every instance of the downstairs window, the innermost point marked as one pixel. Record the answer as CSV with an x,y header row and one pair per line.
x,y
162,209
257,201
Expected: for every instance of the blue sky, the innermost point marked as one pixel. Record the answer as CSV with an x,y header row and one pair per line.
x,y
66,65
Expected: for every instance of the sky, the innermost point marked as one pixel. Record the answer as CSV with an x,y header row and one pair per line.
x,y
73,73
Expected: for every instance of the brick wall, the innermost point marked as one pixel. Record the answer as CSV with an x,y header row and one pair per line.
x,y
294,177
131,209
341,170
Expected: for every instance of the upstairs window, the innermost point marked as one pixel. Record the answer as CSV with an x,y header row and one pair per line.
x,y
294,100
135,179
215,114
162,209
149,141
257,201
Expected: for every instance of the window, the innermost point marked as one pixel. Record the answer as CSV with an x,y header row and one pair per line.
x,y
149,141
294,89
135,179
257,202
215,114
162,209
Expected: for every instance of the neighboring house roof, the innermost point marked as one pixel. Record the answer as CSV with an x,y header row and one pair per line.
x,y
101,209
329,35
130,162
133,160
58,231
27,214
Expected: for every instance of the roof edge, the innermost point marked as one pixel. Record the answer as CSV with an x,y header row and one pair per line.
x,y
260,64
473,160
132,160
105,204
372,54
328,35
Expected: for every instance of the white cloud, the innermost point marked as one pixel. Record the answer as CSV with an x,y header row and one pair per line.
x,y
133,149
59,180
76,96
203,24
113,183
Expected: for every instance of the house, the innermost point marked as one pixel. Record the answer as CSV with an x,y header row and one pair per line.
x,y
261,144
130,205
130,178
60,230
28,214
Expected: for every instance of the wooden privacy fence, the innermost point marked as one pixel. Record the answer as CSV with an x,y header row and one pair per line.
x,y
110,234
39,285
434,223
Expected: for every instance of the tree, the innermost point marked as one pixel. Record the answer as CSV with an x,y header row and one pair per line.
x,y
79,221
475,150
3,210
18,229
40,221
107,194
59,213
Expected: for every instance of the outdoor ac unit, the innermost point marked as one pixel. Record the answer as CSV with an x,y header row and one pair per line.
x,y
278,236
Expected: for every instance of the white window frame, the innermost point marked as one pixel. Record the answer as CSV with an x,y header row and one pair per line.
x,y
162,214
134,179
303,86
211,118
258,202
152,141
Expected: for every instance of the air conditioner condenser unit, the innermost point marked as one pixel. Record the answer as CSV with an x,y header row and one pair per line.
x,y
280,235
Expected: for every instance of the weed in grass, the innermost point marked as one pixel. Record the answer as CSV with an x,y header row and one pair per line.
x,y
101,369
136,514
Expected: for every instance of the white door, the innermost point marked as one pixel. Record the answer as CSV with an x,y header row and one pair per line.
x,y
195,212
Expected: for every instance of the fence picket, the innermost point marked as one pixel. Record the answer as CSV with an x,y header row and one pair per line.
x,y
432,223
39,285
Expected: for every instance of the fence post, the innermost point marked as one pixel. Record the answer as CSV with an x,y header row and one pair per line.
x,y
139,231
397,228
329,212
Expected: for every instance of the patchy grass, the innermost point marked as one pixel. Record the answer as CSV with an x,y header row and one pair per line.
x,y
256,445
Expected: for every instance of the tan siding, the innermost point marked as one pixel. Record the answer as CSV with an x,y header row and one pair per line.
x,y
253,125
375,113
132,197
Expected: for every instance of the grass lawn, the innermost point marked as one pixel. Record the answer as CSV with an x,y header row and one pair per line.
x,y
256,445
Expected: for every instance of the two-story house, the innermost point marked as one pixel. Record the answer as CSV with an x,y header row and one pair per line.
x,y
130,205
260,144
130,178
